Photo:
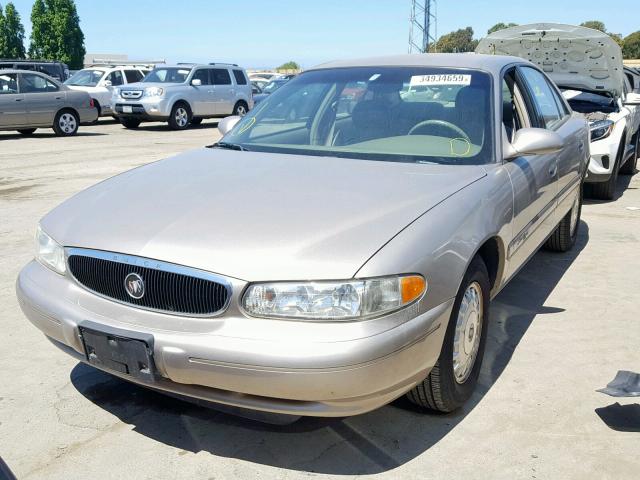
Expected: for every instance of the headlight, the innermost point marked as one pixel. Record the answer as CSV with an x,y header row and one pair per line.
x,y
601,129
325,300
49,252
153,92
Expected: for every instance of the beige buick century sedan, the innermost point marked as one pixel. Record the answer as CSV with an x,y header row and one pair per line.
x,y
337,249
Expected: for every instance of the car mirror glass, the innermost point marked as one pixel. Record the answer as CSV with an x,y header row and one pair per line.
x,y
226,124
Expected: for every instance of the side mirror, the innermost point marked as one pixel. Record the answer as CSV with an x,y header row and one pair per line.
x,y
226,124
196,82
632,100
533,141
108,83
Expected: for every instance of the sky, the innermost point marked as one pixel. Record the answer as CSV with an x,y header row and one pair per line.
x,y
267,33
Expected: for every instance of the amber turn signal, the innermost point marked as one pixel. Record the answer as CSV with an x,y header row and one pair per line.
x,y
412,288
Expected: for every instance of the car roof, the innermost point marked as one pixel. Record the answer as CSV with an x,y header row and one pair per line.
x,y
491,63
14,70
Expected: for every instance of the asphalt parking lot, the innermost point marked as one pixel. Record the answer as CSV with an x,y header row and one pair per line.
x,y
558,332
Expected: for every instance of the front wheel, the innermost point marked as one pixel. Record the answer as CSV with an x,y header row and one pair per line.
x,y
66,123
455,374
241,108
130,123
629,168
180,117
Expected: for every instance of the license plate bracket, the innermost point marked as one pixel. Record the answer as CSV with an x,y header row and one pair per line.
x,y
119,351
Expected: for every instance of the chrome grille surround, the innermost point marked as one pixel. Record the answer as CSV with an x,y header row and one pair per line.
x,y
173,289
131,94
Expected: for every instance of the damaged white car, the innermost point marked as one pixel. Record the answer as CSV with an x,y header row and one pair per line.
x,y
587,67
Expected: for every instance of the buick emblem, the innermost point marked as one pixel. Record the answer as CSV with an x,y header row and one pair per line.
x,y
134,285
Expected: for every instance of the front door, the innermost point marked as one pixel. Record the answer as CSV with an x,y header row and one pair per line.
x,y
42,97
13,110
202,95
527,103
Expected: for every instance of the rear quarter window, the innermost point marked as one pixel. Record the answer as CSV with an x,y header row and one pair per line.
x,y
240,78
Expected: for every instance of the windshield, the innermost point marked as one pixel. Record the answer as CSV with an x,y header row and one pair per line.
x,y
168,75
589,102
85,78
273,86
429,115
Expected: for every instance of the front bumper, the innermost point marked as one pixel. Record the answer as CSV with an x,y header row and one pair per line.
x,y
296,368
603,158
145,108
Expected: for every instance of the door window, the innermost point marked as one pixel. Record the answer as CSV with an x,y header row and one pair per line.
x,y
115,78
542,96
36,84
202,75
220,76
8,83
240,78
133,76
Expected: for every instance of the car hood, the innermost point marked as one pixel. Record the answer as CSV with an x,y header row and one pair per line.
x,y
572,56
256,216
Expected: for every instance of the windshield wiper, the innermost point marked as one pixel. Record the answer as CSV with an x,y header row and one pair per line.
x,y
229,146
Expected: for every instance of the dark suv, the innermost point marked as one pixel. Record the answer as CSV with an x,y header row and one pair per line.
x,y
57,70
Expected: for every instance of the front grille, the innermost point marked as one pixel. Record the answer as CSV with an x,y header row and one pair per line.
x,y
131,94
165,289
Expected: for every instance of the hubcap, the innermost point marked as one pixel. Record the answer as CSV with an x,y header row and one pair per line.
x,y
67,123
241,110
466,341
181,117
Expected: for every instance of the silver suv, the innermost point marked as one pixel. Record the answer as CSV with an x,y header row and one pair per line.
x,y
184,94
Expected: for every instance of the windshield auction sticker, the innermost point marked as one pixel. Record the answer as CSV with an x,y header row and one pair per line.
x,y
449,79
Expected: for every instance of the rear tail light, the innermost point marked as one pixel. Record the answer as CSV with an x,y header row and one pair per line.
x,y
91,103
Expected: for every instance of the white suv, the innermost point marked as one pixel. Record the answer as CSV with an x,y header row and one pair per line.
x,y
99,82
587,67
184,94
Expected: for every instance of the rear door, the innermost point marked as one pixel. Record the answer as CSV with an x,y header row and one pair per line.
x,y
42,97
223,91
13,110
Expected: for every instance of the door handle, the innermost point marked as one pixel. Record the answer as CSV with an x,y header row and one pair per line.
x,y
19,99
58,98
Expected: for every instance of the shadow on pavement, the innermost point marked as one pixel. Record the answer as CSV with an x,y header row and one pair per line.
x,y
621,418
163,127
45,134
375,442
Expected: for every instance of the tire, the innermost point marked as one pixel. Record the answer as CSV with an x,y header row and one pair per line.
x,y
607,190
241,108
99,108
180,117
130,123
564,236
629,168
446,389
27,131
196,121
66,123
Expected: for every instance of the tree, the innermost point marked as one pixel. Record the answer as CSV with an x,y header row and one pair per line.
x,y
2,41
56,32
500,26
595,24
631,49
458,41
290,65
13,33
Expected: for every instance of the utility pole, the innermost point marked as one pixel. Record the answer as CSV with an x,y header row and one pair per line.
x,y
423,25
